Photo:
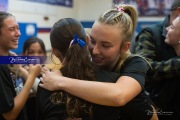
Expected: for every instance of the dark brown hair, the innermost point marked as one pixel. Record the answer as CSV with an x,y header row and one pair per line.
x,y
3,16
32,40
76,64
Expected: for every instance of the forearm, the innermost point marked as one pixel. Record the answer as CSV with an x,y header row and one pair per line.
x,y
90,91
20,99
110,94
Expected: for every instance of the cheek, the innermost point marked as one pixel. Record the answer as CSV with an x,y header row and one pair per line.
x,y
41,54
111,54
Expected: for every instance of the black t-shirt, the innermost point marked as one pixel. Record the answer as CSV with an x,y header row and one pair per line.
x,y
138,108
46,110
134,67
7,92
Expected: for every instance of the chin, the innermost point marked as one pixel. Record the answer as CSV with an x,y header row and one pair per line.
x,y
14,47
166,40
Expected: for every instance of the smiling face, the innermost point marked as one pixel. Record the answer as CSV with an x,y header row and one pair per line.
x,y
35,49
173,33
105,45
9,34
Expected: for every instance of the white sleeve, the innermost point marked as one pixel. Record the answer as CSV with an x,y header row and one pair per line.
x,y
35,85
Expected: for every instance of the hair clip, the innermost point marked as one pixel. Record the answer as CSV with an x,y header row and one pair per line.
x,y
120,8
79,41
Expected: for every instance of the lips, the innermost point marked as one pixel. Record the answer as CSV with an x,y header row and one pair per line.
x,y
15,40
97,59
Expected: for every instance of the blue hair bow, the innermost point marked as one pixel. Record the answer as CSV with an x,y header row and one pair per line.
x,y
79,41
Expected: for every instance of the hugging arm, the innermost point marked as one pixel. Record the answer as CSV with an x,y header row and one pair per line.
x,y
111,94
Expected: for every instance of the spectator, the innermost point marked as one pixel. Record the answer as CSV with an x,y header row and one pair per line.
x,y
12,104
163,80
33,46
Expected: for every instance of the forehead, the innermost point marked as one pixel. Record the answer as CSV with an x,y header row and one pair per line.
x,y
9,22
105,32
176,22
35,45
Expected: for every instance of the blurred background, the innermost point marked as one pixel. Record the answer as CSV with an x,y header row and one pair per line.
x,y
36,17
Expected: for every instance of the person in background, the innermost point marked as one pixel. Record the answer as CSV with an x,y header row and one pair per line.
x,y
163,83
173,35
33,46
11,105
109,43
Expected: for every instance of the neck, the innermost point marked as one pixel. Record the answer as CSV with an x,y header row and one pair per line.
x,y
4,52
177,49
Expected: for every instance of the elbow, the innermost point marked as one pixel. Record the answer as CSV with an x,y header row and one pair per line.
x,y
120,100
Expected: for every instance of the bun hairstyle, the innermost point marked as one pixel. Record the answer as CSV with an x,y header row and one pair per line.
x,y
123,15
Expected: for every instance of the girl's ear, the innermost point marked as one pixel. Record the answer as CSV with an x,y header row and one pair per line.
x,y
126,46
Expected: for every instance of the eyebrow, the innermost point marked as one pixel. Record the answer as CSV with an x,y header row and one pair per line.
x,y
101,41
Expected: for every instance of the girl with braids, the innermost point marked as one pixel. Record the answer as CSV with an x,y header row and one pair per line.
x,y
69,44
109,43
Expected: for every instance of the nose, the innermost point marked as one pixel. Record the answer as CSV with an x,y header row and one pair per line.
x,y
167,28
96,50
18,33
36,54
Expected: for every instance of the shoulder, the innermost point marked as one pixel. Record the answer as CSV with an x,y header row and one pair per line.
x,y
3,67
47,109
4,73
136,60
136,67
149,32
106,76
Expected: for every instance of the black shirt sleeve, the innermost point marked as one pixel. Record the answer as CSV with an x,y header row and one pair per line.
x,y
135,67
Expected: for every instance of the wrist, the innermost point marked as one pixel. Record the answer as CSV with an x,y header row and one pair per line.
x,y
67,83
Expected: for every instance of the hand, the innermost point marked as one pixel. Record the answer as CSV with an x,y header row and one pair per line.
x,y
26,67
44,69
34,70
50,80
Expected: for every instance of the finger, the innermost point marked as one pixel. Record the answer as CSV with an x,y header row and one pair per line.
x,y
42,80
55,70
41,85
43,75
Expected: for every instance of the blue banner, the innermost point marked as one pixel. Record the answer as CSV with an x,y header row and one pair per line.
x,y
66,3
22,60
4,5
